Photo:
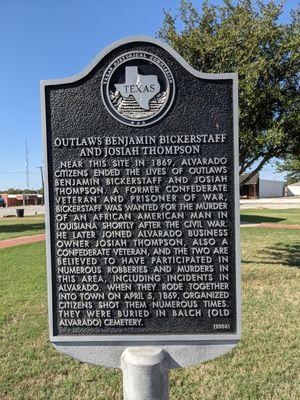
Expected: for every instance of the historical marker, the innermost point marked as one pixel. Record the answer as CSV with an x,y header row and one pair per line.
x,y
142,195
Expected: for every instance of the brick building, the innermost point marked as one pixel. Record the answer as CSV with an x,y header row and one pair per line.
x,y
20,200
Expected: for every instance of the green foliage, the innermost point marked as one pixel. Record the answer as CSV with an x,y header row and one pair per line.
x,y
22,191
290,166
247,37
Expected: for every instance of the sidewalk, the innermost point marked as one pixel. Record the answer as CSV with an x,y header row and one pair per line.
x,y
42,237
21,240
267,225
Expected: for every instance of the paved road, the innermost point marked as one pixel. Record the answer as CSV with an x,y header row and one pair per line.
x,y
279,202
29,211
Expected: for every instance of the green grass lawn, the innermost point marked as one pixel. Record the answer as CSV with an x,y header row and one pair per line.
x,y
289,216
15,227
264,366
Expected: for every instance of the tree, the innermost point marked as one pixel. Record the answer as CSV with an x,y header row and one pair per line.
x,y
247,38
290,166
21,191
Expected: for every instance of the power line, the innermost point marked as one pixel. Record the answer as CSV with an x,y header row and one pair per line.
x,y
20,146
18,172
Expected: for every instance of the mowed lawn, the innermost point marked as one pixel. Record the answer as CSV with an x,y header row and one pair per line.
x,y
265,365
289,216
15,227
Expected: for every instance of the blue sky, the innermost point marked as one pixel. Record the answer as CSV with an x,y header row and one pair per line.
x,y
45,39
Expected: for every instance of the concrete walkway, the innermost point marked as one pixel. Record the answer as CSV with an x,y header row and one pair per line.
x,y
40,238
21,240
267,225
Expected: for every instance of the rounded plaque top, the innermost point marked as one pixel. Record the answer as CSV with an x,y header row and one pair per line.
x,y
138,88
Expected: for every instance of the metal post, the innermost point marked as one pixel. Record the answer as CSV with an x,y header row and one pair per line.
x,y
145,373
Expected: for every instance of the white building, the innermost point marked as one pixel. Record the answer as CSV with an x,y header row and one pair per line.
x,y
257,188
293,189
270,188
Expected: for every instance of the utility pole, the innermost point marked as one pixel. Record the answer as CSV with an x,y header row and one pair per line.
x,y
27,165
42,177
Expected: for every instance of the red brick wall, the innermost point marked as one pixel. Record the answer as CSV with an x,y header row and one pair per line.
x,y
18,200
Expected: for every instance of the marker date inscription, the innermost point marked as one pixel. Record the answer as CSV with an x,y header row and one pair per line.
x,y
222,327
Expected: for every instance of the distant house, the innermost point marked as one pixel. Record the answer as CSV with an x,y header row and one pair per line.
x,y
250,189
293,189
260,188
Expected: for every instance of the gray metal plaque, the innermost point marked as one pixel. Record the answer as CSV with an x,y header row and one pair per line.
x,y
141,155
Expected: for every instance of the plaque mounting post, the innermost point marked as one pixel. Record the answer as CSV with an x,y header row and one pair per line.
x,y
145,373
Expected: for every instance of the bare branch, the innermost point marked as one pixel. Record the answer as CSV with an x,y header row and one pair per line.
x,y
249,163
257,169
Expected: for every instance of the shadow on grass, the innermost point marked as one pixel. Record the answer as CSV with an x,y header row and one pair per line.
x,y
281,253
260,218
287,254
19,228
